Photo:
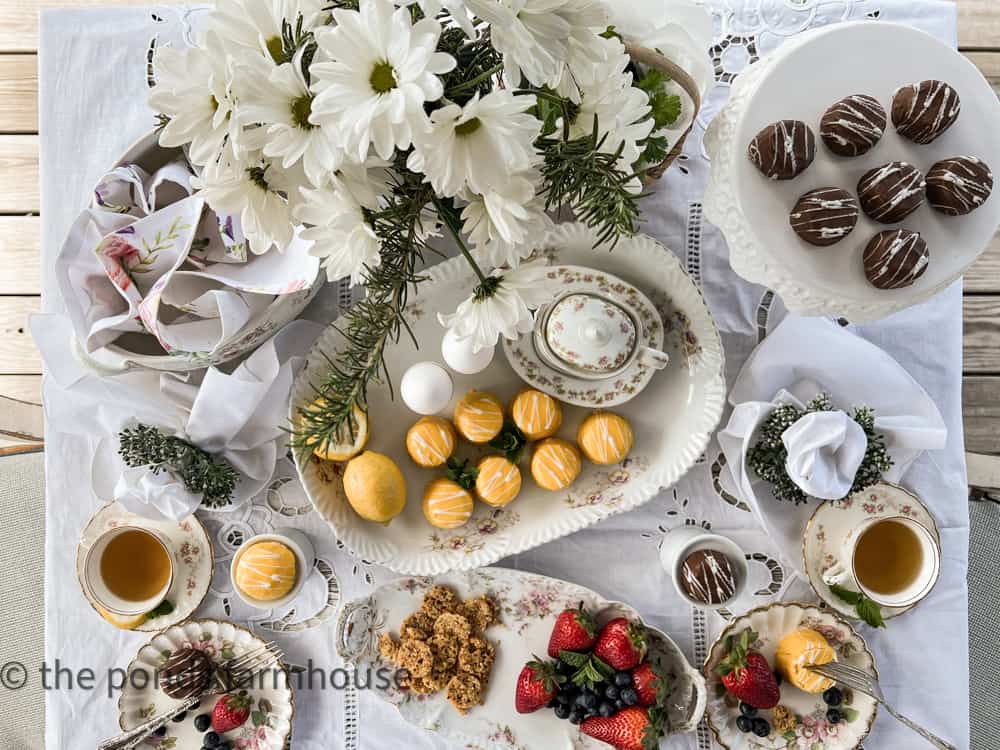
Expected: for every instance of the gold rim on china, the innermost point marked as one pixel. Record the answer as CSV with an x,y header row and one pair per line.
x,y
896,611
217,623
83,589
803,606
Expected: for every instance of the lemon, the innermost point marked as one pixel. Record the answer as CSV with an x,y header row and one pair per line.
x,y
342,447
375,487
125,622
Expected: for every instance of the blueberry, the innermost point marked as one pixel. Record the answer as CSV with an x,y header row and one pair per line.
x,y
202,722
747,710
211,739
590,701
612,693
562,711
224,745
777,676
834,716
743,723
620,704
159,732
760,727
565,697
833,697
565,668
180,717
630,697
623,679
607,708
577,717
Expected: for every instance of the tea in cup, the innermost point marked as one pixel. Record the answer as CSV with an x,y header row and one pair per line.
x,y
893,561
129,570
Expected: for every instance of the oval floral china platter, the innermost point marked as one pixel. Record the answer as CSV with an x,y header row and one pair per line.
x,y
806,725
527,605
269,724
673,417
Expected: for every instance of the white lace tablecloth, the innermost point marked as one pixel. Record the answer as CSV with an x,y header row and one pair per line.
x,y
93,68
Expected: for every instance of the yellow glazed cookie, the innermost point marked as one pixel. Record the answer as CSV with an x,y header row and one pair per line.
x,y
536,414
555,464
605,438
800,650
498,482
446,504
430,442
478,417
265,571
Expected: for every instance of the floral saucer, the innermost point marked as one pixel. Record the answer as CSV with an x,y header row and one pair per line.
x,y
272,708
811,728
193,560
832,522
523,356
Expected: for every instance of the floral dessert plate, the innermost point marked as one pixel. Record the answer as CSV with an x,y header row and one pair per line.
x,y
811,728
523,354
687,396
272,708
830,525
192,553
528,605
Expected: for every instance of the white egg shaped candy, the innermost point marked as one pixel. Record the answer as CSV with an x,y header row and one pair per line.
x,y
459,355
426,388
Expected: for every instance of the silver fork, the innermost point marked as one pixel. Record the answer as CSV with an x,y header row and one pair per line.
x,y
858,679
232,674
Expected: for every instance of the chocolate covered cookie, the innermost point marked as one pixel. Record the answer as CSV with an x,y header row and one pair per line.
x,y
783,149
825,216
707,576
853,126
959,185
895,258
891,192
923,111
185,673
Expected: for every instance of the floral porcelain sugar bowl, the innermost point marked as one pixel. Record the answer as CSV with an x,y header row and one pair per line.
x,y
587,335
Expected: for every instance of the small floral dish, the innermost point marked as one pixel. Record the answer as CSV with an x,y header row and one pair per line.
x,y
831,524
192,555
807,724
269,724
687,398
528,605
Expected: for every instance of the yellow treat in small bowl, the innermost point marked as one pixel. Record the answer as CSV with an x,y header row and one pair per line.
x,y
499,481
265,571
431,441
536,414
555,464
447,505
605,438
800,650
479,417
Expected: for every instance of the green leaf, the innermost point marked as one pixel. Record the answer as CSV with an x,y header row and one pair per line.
x,y
163,608
461,473
851,597
574,658
870,612
849,713
258,718
511,442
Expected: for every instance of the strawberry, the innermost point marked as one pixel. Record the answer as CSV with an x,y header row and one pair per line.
x,y
633,728
231,711
536,686
650,683
574,630
622,644
746,673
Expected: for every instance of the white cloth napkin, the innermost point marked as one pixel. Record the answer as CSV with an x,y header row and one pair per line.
x,y
800,359
236,417
148,257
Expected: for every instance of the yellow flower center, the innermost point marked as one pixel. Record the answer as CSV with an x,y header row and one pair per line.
x,y
301,109
383,78
468,127
275,49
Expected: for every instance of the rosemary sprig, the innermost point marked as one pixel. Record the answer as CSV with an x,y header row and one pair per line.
x,y
214,480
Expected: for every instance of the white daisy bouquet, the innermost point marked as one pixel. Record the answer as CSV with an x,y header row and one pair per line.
x,y
379,125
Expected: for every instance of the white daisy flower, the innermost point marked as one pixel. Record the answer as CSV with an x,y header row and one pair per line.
x,y
375,71
192,90
257,25
252,188
506,225
479,145
591,58
278,98
455,8
500,306
340,234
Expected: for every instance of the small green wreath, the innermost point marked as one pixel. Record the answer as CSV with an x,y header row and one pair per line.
x,y
768,456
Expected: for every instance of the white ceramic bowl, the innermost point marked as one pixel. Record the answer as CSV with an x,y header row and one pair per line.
x,y
800,80
680,542
136,350
305,557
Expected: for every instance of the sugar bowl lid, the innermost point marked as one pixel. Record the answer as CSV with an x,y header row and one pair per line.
x,y
591,334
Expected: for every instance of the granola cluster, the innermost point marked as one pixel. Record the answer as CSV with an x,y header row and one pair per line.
x,y
441,647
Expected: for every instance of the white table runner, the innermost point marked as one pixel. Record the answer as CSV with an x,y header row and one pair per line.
x,y
93,68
